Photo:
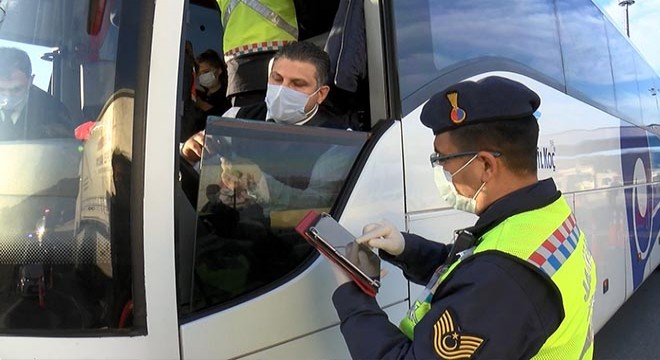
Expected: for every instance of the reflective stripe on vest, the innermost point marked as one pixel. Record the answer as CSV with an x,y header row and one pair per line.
x,y
550,240
254,48
264,11
557,248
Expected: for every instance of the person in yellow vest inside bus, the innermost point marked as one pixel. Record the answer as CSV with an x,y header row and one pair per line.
x,y
520,283
253,31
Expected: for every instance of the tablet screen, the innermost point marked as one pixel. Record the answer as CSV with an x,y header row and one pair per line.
x,y
344,243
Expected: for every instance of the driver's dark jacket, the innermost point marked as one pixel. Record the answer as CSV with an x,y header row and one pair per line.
x,y
43,117
323,118
491,295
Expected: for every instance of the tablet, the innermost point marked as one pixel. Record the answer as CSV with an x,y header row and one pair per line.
x,y
338,244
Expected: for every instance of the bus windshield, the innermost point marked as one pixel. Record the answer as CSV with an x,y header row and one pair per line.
x,y
67,90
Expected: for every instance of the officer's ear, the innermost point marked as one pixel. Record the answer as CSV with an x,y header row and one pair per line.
x,y
491,166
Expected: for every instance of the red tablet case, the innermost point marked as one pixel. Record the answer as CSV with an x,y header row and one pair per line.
x,y
308,221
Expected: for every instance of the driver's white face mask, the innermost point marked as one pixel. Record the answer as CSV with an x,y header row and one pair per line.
x,y
285,105
448,192
15,102
12,102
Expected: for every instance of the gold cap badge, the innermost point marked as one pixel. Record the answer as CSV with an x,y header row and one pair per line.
x,y
457,114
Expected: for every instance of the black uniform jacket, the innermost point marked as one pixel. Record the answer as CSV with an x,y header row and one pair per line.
x,y
492,304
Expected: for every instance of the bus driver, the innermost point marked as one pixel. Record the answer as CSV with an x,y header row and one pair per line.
x,y
27,112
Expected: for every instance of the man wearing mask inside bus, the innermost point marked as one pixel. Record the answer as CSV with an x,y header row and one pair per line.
x,y
212,77
27,112
296,92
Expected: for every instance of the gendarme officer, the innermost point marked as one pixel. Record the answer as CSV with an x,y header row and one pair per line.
x,y
520,283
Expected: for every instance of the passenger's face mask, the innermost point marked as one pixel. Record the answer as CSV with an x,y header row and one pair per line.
x,y
448,192
207,80
286,105
15,95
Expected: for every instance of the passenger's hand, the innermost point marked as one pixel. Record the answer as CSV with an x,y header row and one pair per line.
x,y
193,147
383,235
203,105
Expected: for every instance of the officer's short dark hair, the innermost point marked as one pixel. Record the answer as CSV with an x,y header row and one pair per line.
x,y
212,58
515,139
12,59
494,113
310,53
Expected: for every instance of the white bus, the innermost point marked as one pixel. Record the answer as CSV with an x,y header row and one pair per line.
x,y
103,256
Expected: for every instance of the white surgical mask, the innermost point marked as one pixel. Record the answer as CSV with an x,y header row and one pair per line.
x,y
12,102
207,80
448,192
285,105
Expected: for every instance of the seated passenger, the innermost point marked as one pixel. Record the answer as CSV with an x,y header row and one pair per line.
x,y
210,95
212,76
27,112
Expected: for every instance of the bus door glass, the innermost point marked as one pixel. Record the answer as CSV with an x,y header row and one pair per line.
x,y
257,180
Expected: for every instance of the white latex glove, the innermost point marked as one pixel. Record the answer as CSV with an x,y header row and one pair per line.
x,y
383,235
359,258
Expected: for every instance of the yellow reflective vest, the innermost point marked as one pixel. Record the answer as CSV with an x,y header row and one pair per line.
x,y
252,26
549,240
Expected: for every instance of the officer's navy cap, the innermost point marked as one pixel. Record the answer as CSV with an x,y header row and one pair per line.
x,y
469,103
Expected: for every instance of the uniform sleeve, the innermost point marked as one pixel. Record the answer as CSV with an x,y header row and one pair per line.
x,y
489,309
419,259
365,326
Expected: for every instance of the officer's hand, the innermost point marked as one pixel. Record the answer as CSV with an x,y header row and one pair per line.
x,y
359,255
360,258
192,148
383,235
340,276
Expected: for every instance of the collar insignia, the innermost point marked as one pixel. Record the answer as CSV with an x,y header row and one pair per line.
x,y
450,342
457,114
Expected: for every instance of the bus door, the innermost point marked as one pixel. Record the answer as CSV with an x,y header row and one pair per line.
x,y
251,281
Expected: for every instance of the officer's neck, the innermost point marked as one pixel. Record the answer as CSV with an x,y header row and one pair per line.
x,y
506,183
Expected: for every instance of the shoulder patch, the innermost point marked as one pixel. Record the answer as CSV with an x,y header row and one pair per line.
x,y
450,342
